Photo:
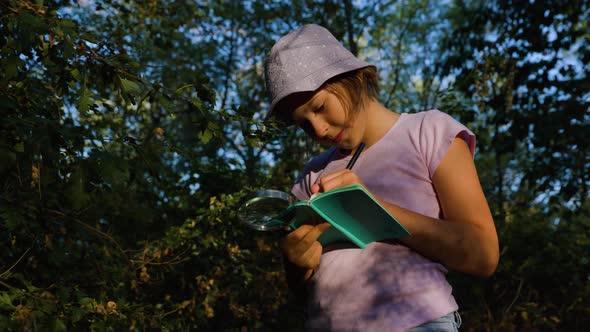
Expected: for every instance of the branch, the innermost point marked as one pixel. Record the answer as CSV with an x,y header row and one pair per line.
x,y
348,15
513,301
230,60
5,273
97,231
397,59
173,261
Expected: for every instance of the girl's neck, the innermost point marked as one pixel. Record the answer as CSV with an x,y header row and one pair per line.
x,y
378,122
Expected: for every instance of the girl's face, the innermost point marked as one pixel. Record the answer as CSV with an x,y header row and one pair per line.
x,y
325,120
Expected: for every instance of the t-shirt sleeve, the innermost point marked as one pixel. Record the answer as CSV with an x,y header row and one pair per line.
x,y
302,189
437,132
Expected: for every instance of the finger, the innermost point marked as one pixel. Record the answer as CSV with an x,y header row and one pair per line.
x,y
323,227
298,252
311,257
315,222
338,179
315,188
317,255
334,175
302,253
315,233
299,241
301,231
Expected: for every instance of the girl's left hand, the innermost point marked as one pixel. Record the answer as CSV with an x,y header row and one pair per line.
x,y
336,180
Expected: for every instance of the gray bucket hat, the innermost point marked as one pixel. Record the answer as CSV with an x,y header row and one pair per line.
x,y
303,60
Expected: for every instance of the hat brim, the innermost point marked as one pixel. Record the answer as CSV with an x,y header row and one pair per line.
x,y
315,80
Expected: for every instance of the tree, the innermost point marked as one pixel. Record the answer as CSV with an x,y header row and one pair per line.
x,y
520,67
132,130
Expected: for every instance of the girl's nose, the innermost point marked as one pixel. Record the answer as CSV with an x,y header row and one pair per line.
x,y
320,128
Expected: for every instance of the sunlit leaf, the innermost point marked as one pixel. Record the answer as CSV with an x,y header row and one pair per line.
x,y
84,101
205,135
130,86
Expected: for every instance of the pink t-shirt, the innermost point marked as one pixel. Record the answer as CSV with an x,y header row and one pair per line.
x,y
386,286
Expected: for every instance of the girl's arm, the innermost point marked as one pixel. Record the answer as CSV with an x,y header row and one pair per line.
x,y
466,240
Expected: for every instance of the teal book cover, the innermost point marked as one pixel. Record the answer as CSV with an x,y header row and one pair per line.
x,y
355,216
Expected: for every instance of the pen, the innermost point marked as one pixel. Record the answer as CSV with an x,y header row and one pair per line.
x,y
355,156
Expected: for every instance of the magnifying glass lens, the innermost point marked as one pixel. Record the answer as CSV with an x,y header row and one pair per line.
x,y
264,209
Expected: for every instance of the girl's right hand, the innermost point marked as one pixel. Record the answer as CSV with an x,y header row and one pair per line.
x,y
301,247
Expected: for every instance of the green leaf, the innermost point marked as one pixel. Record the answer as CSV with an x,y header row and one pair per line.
x,y
13,218
68,24
205,135
5,301
7,160
113,170
76,192
7,103
68,49
83,103
12,65
130,87
205,93
75,73
19,147
77,314
56,325
89,37
86,301
31,21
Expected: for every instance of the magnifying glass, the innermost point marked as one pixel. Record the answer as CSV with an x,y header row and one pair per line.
x,y
267,210
275,210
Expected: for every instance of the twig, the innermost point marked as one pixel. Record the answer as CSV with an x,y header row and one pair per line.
x,y
13,265
101,233
513,301
173,261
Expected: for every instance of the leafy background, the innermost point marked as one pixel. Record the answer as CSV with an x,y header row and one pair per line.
x,y
131,130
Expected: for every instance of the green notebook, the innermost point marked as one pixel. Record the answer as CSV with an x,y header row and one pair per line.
x,y
355,215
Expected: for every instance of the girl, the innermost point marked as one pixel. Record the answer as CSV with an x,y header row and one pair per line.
x,y
419,166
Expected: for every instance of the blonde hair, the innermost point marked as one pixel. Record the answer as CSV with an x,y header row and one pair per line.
x,y
354,89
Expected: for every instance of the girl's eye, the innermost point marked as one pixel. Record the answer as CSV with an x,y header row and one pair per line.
x,y
305,125
301,123
319,109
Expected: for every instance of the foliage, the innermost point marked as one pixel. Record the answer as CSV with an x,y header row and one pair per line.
x,y
111,177
132,130
524,67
